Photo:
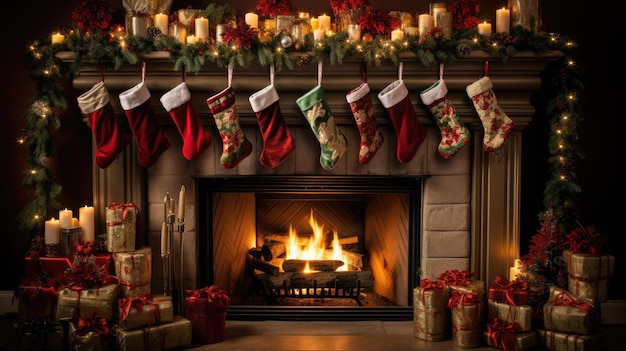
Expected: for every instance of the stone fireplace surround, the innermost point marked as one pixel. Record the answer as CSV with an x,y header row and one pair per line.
x,y
470,204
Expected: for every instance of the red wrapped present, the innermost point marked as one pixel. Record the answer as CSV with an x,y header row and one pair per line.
x,y
507,337
55,267
206,309
38,299
512,292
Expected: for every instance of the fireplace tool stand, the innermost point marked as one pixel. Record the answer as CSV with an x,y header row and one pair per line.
x,y
172,225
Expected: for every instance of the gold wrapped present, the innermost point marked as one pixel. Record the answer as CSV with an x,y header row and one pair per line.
x,y
431,314
506,337
565,313
522,314
463,281
121,222
588,275
82,302
143,311
164,336
134,270
466,311
90,335
559,341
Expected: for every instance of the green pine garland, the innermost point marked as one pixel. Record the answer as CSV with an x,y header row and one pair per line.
x,y
561,192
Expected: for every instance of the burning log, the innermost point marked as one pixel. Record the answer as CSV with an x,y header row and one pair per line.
x,y
261,265
314,265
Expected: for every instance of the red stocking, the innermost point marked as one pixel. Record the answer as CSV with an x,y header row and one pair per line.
x,y
278,143
195,138
363,111
110,140
409,131
151,141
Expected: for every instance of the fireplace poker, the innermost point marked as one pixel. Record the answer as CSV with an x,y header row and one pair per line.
x,y
165,247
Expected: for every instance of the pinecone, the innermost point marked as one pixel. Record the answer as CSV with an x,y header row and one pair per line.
x,y
154,32
463,50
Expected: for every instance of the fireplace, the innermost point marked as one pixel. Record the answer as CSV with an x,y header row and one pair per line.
x,y
464,211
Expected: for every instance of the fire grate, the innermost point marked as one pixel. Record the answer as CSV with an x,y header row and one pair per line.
x,y
334,292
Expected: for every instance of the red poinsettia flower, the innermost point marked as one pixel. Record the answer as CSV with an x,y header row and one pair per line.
x,y
93,15
269,8
242,34
377,22
340,6
464,14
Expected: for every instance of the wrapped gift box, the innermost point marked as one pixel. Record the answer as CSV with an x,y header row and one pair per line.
x,y
37,300
559,341
121,221
164,336
503,336
102,301
431,315
86,337
564,313
134,270
463,281
143,311
206,309
522,315
513,293
466,312
54,267
588,275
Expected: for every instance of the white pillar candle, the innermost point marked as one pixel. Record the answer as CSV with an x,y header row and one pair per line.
x,y
181,205
324,22
57,38
65,218
318,35
86,222
192,39
219,30
503,20
161,22
252,19
397,34
315,23
425,23
52,233
515,270
484,29
202,28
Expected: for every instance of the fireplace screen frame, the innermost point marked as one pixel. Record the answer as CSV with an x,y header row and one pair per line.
x,y
207,186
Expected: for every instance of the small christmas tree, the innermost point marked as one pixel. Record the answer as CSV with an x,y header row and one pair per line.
x,y
544,265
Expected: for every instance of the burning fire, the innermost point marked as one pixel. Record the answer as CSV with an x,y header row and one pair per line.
x,y
315,249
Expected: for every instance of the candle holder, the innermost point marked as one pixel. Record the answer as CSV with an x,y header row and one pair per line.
x,y
53,250
137,24
69,240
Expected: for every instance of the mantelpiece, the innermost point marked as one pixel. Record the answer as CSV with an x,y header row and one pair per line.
x,y
495,179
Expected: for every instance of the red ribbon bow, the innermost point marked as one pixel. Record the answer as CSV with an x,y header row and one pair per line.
x,y
455,277
502,335
565,299
462,298
510,288
92,323
216,296
436,286
585,240
125,207
126,303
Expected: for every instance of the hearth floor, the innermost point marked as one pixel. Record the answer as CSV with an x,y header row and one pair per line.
x,y
344,336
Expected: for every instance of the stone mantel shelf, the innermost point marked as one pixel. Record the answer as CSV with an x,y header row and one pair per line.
x,y
514,82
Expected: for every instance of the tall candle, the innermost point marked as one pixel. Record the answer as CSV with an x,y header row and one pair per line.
x,y
315,23
86,222
484,29
397,34
202,28
165,239
425,23
57,38
515,270
252,19
503,20
65,218
52,233
161,22
324,22
318,35
181,205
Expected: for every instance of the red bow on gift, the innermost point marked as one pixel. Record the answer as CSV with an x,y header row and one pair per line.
x,y
217,297
427,285
455,277
565,299
502,335
462,298
509,288
126,303
125,208
92,323
585,240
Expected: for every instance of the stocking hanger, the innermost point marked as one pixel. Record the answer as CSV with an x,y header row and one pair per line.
x,y
230,75
143,71
400,69
102,70
364,72
272,73
183,74
319,72
441,71
486,68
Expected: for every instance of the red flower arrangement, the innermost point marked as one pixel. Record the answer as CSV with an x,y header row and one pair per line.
x,y
84,273
376,22
269,8
340,6
464,14
242,34
93,15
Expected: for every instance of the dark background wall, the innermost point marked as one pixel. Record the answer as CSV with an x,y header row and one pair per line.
x,y
590,26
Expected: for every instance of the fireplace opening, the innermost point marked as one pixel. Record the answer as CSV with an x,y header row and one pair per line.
x,y
365,231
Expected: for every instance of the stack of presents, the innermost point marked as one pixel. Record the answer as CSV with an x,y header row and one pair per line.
x,y
456,305
100,298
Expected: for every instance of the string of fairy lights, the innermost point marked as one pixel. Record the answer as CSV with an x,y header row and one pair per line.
x,y
47,70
